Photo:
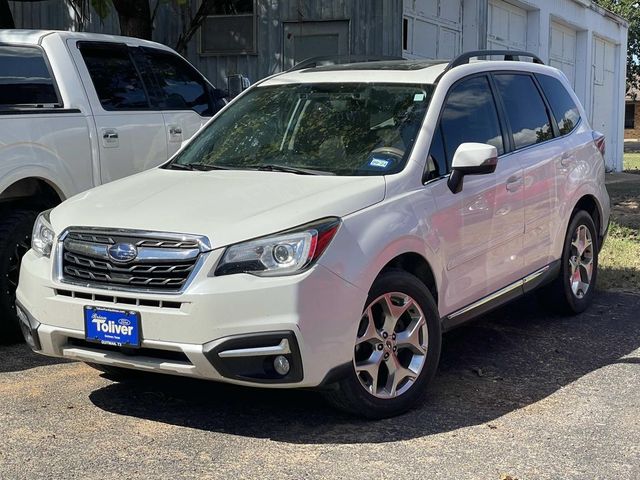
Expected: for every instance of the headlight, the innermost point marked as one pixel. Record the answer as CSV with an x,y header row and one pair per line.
x,y
43,234
284,253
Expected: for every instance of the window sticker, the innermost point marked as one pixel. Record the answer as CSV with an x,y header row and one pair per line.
x,y
418,97
378,162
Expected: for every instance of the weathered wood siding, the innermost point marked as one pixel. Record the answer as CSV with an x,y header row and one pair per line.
x,y
375,28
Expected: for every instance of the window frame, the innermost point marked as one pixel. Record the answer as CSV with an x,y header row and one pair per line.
x,y
29,107
550,116
213,53
160,92
107,45
633,106
557,133
506,140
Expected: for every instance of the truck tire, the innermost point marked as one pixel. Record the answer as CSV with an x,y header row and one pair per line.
x,y
15,240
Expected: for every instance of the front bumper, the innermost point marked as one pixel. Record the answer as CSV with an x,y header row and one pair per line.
x,y
316,313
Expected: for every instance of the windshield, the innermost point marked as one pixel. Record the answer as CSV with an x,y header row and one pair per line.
x,y
338,129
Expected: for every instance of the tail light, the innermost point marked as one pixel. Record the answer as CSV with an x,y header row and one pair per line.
x,y
599,140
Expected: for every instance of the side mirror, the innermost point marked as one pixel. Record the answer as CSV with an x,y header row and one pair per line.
x,y
471,159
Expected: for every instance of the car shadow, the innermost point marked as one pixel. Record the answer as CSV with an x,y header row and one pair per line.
x,y
502,362
18,357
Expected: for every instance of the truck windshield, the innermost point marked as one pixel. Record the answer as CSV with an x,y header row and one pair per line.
x,y
330,128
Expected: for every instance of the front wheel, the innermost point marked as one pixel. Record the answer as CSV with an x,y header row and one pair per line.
x,y
396,349
15,240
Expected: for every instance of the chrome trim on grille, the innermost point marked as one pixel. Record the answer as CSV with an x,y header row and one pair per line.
x,y
160,247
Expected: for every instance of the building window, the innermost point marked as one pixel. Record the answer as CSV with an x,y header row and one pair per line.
x,y
230,28
630,115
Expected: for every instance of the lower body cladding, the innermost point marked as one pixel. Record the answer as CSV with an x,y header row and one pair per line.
x,y
271,332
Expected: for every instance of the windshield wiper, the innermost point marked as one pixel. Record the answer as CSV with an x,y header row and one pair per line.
x,y
203,167
270,167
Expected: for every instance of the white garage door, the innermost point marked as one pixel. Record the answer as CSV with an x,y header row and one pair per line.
x,y
562,50
433,28
604,86
507,26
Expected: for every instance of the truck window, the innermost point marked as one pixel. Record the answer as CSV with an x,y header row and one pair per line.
x,y
182,87
115,77
25,80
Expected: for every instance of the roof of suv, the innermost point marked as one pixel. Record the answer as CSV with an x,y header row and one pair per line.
x,y
408,72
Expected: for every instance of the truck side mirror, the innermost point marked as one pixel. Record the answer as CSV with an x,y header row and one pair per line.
x,y
471,159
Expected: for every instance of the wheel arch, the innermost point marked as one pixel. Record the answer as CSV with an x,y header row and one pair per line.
x,y
36,191
590,204
417,265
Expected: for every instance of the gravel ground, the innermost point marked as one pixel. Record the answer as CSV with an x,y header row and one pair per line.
x,y
520,393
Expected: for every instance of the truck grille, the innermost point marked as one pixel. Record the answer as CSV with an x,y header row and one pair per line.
x,y
158,263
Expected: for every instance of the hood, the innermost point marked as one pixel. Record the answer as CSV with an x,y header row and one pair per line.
x,y
227,206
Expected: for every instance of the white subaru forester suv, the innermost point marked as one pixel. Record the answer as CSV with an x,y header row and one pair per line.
x,y
326,227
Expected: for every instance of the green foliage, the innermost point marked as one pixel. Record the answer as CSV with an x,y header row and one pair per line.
x,y
630,10
102,7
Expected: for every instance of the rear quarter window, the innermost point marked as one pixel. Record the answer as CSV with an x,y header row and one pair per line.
x,y
564,108
25,79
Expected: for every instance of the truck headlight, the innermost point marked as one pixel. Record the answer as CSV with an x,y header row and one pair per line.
x,y
43,235
284,253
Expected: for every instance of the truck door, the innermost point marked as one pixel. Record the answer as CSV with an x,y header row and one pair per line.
x,y
130,129
186,99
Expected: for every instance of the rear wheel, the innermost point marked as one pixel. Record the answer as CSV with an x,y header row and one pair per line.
x,y
15,240
572,291
396,349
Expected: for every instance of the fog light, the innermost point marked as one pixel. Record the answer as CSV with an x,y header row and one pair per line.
x,y
281,365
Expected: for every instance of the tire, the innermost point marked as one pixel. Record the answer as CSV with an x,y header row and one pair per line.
x,y
563,294
15,240
388,349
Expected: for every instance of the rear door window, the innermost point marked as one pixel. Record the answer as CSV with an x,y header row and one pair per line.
x,y
181,86
25,79
115,77
564,108
470,115
525,109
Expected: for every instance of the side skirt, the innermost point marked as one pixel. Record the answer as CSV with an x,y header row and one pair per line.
x,y
525,285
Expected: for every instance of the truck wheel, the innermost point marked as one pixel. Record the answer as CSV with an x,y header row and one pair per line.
x,y
396,349
15,240
572,291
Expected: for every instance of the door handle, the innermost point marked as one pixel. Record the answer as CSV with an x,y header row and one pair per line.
x,y
566,159
110,138
514,183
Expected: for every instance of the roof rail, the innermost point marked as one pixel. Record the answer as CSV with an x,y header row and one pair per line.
x,y
339,60
509,55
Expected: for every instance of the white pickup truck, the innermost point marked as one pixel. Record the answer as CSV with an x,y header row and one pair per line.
x,y
78,110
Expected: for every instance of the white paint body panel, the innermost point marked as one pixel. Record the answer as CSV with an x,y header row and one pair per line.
x,y
475,242
66,149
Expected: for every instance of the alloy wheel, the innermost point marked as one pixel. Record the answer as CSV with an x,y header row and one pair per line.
x,y
581,261
391,345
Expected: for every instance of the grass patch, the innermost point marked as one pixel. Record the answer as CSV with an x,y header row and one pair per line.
x,y
620,255
632,162
620,259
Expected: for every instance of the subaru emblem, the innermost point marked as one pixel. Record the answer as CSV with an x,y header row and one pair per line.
x,y
123,252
